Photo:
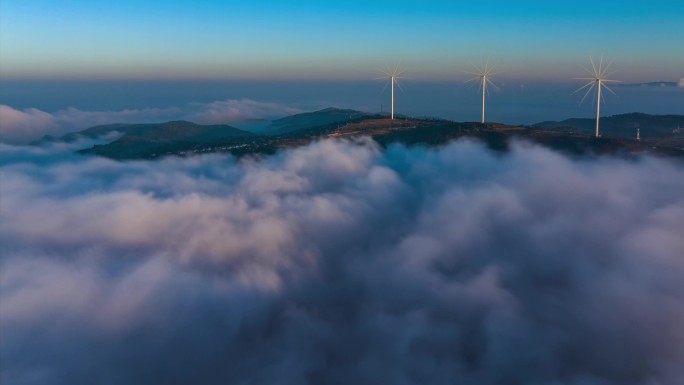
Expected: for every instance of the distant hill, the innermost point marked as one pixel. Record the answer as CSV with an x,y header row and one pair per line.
x,y
312,119
153,140
572,136
625,125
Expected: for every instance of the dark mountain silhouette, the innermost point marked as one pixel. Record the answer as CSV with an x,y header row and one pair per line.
x,y
572,136
153,140
173,130
625,125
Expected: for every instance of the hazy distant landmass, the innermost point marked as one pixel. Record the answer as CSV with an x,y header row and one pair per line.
x,y
660,133
159,132
651,84
625,125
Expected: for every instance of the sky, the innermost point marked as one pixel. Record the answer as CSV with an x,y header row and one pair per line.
x,y
325,40
337,262
105,59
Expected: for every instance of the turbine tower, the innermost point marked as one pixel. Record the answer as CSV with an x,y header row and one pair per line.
x,y
483,77
597,81
393,76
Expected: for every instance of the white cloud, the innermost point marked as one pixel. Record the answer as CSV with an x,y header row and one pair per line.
x,y
681,82
235,111
22,126
18,126
341,263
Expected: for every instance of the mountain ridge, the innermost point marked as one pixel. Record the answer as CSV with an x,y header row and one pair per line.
x,y
155,140
137,129
306,120
151,140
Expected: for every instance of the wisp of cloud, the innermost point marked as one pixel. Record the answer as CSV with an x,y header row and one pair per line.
x,y
23,126
341,263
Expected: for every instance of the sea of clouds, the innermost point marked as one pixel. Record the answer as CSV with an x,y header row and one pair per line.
x,y
341,263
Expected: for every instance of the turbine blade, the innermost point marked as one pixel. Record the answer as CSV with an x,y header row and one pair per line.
x,y
586,69
603,98
605,70
491,69
593,85
473,73
491,74
471,85
584,86
608,88
611,73
593,66
384,88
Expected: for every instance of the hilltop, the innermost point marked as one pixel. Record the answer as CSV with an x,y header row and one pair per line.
x,y
572,136
306,120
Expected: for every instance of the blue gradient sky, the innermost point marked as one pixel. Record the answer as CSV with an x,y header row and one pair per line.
x,y
311,40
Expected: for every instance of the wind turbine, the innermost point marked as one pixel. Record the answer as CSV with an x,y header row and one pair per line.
x,y
483,77
393,76
596,81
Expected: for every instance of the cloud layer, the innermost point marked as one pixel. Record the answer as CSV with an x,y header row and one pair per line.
x,y
338,263
22,126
